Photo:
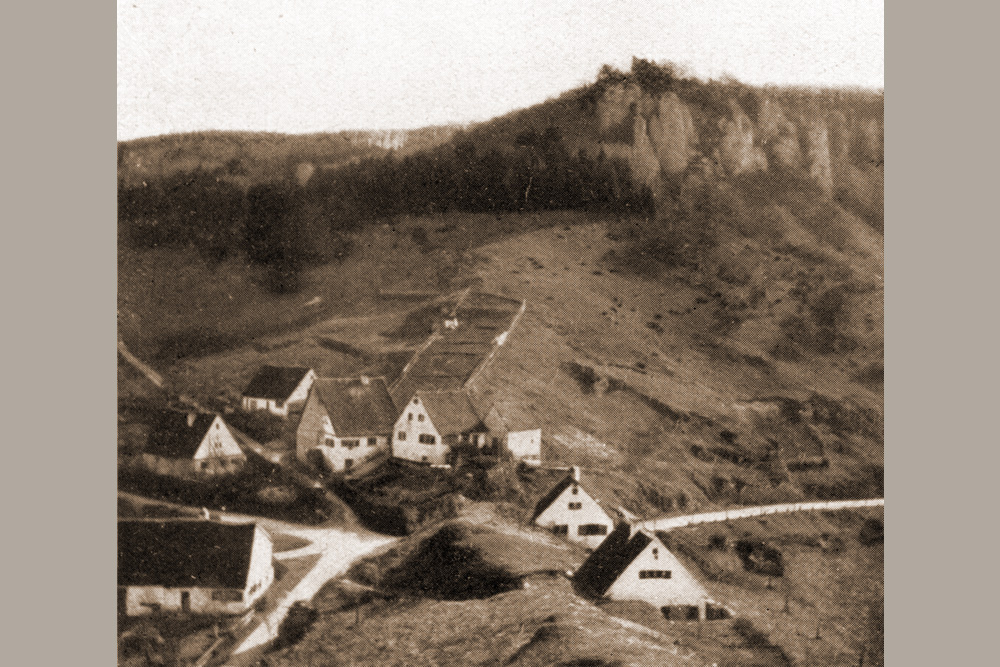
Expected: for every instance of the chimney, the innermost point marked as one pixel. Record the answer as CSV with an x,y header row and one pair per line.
x,y
191,418
575,472
365,380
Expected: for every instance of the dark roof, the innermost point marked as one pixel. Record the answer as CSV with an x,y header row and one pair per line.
x,y
356,408
550,497
610,559
451,412
171,437
275,382
184,553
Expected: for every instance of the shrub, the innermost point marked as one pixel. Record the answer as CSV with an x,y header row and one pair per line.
x,y
297,623
717,542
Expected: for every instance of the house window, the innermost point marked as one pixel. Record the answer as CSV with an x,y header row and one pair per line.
x,y
401,435
575,490
228,595
204,465
592,529
350,444
654,574
409,417
656,553
576,506
427,439
560,530
416,401
420,418
372,442
330,442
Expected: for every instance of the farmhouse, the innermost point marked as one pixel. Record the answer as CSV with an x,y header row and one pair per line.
x,y
632,564
433,423
570,511
345,421
278,389
191,567
190,445
523,443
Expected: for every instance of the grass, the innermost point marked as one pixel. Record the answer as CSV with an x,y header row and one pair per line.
x,y
833,579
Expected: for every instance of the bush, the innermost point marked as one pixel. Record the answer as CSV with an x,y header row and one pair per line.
x,y
717,542
297,623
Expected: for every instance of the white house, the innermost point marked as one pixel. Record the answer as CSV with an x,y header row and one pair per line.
x,y
632,564
277,389
523,443
345,421
432,423
570,511
186,566
190,445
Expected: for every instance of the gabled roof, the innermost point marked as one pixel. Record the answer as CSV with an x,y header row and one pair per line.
x,y
357,406
184,553
545,501
451,412
275,382
591,488
603,567
170,436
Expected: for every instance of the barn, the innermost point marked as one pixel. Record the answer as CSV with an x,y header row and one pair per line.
x,y
278,389
191,445
345,421
190,566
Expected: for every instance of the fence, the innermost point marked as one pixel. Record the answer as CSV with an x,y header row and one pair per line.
x,y
668,523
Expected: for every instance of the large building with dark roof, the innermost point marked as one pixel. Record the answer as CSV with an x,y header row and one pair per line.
x,y
278,389
186,566
345,421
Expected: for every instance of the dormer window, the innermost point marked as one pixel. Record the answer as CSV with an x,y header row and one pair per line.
x,y
656,552
576,490
420,418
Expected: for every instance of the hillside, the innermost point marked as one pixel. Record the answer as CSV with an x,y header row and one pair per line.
x,y
702,268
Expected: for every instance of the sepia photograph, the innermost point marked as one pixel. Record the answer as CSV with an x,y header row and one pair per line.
x,y
500,333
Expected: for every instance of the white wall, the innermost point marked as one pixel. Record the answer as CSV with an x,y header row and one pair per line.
x,y
336,454
525,445
409,447
559,513
260,573
251,404
680,589
219,453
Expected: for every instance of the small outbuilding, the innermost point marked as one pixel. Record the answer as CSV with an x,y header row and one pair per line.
x,y
633,564
345,421
506,433
191,445
190,566
278,389
569,511
433,423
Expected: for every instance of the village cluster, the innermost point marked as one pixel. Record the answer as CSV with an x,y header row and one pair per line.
x,y
186,566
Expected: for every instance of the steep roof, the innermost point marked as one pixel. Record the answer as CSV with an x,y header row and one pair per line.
x,y
171,437
592,487
451,412
357,407
275,382
603,567
550,497
184,553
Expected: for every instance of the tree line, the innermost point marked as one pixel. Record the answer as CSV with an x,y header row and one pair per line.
x,y
285,226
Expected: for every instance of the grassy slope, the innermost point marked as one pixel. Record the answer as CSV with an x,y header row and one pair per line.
x,y
541,623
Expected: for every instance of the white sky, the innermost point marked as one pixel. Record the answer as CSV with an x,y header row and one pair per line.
x,y
314,65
